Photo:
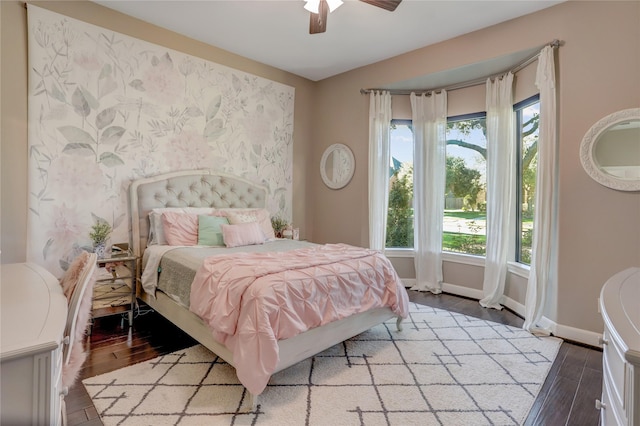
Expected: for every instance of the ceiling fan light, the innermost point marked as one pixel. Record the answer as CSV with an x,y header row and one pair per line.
x,y
334,4
312,6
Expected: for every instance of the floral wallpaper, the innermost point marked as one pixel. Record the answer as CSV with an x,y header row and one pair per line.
x,y
106,108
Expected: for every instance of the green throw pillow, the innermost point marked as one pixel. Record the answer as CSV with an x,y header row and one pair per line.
x,y
209,232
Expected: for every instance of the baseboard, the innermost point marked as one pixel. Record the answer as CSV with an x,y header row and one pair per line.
x,y
578,335
408,282
459,290
563,331
513,306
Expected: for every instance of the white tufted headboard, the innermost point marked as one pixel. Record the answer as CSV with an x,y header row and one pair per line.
x,y
189,188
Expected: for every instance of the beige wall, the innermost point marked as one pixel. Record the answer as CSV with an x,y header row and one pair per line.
x,y
598,69
13,30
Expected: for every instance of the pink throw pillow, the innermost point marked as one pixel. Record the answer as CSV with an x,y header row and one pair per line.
x,y
243,234
261,216
180,229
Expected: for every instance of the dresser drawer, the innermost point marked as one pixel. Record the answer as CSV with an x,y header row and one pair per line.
x,y
614,367
611,414
57,391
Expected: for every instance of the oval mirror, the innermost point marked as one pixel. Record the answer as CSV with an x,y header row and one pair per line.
x,y
610,150
337,166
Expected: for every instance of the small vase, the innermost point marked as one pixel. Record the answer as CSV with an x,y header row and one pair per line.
x,y
100,250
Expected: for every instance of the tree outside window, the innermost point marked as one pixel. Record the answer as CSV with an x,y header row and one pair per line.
x,y
464,227
465,216
528,119
465,202
400,212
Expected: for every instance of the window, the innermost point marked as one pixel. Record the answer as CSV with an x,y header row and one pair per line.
x,y
527,120
400,213
464,227
465,214
465,198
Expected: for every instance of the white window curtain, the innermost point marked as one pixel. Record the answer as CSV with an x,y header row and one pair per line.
x,y
500,187
379,135
543,271
429,118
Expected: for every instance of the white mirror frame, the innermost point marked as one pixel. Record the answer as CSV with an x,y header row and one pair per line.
x,y
588,145
346,171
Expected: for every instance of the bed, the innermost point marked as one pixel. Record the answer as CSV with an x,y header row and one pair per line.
x,y
198,189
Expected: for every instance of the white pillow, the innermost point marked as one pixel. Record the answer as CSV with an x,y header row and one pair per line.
x,y
262,216
156,229
243,234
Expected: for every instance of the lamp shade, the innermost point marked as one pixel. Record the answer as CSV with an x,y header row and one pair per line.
x,y
334,4
312,6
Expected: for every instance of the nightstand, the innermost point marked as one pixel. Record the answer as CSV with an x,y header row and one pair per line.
x,y
115,289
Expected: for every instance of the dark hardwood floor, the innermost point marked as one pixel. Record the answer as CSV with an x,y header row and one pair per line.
x,y
567,397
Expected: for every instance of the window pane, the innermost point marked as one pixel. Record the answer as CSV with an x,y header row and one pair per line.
x,y
465,216
400,214
528,119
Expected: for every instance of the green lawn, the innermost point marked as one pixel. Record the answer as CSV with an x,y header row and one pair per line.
x,y
464,214
458,242
460,214
464,243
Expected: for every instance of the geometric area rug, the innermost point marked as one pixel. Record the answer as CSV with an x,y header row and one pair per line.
x,y
444,368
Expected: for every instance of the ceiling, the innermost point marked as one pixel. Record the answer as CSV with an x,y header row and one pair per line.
x,y
276,33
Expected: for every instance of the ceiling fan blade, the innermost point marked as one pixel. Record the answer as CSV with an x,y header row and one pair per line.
x,y
318,21
389,5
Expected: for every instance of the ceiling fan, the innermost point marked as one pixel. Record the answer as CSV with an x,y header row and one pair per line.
x,y
319,9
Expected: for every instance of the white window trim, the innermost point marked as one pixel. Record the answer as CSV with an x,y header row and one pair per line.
x,y
519,269
516,268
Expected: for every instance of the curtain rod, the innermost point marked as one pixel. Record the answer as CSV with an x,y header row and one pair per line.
x,y
478,81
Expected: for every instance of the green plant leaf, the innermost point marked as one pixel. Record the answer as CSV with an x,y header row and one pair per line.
x,y
110,159
214,107
166,59
80,104
112,134
45,249
76,135
119,220
97,218
105,117
57,94
193,111
82,149
100,230
137,84
213,129
105,72
108,86
93,102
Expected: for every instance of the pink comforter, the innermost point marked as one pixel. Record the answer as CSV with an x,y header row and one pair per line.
x,y
252,300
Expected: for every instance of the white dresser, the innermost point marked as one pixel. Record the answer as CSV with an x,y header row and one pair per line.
x,y
33,313
620,307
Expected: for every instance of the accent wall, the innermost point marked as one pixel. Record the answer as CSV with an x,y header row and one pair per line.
x,y
106,108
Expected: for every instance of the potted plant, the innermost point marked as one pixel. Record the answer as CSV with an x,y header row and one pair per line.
x,y
279,225
100,232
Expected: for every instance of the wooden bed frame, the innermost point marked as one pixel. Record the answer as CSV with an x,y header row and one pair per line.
x,y
204,188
